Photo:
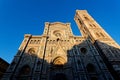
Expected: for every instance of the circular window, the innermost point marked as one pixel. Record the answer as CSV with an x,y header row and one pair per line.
x,y
83,50
57,33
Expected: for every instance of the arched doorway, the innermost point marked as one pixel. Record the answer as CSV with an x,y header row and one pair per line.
x,y
59,61
57,69
59,76
24,73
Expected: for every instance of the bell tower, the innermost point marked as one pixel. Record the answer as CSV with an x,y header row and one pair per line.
x,y
107,47
90,27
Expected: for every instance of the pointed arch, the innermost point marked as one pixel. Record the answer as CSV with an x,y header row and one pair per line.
x,y
59,61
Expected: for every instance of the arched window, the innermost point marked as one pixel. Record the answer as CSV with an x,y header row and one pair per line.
x,y
90,68
90,25
80,21
35,41
97,34
102,34
31,41
31,51
25,70
94,25
38,42
86,18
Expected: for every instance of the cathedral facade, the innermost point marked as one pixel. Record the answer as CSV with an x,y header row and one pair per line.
x,y
59,55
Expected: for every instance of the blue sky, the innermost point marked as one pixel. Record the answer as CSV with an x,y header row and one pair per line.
x,y
19,17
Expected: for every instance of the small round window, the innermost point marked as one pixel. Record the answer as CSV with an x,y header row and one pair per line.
x,y
83,50
57,33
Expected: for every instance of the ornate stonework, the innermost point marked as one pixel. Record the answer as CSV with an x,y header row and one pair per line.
x,y
59,55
